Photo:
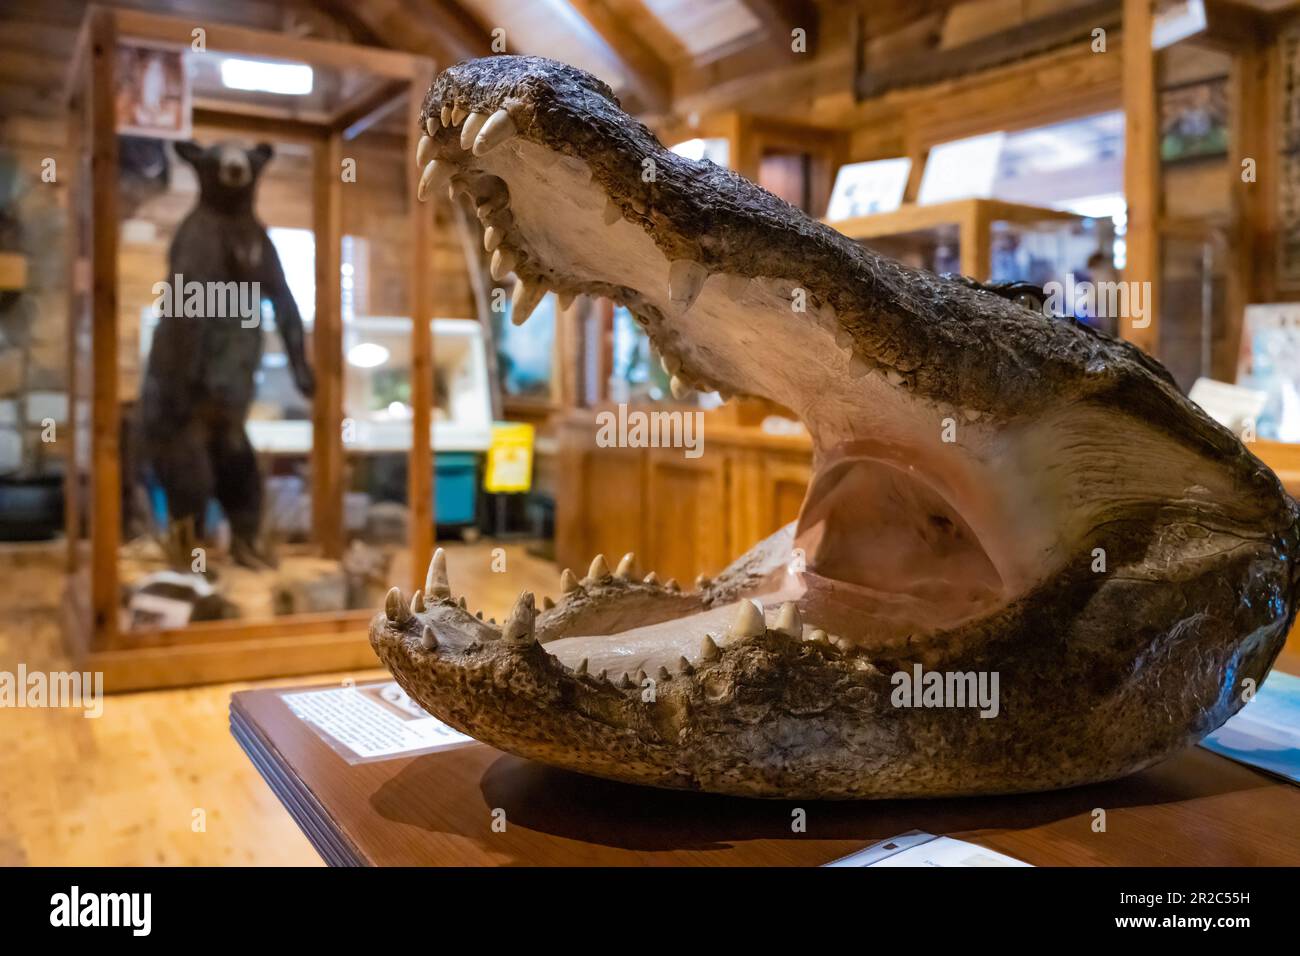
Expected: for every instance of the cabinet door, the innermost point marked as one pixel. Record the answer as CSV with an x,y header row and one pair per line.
x,y
783,490
600,508
687,521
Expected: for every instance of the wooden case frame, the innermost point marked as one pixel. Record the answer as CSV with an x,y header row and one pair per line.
x,y
223,650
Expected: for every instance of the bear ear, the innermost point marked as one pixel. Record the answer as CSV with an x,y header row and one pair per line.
x,y
260,154
189,151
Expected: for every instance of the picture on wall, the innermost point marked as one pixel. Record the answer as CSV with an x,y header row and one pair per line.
x,y
153,92
1194,120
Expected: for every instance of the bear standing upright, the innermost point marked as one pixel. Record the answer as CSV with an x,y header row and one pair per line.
x,y
199,380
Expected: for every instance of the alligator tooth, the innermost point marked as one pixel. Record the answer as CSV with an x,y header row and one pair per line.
x,y
789,622
503,263
662,674
679,388
428,640
709,649
650,578
735,285
469,132
423,152
432,124
894,378
568,581
457,115
625,567
817,634
434,172
396,608
435,579
492,237
671,364
972,414
417,601
701,582
672,585
640,677
498,128
748,621
564,300
612,213
451,191
526,298
519,626
461,603
548,602
685,280
625,682
601,676
581,669
479,615
445,115
684,666
599,570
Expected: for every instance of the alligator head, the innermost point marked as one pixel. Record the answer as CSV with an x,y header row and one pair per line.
x,y
1002,501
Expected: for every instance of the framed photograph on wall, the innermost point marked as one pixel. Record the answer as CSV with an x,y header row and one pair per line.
x,y
1194,120
153,91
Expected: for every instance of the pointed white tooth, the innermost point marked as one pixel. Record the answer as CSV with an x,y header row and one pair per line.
x,y
451,191
498,128
581,669
492,237
817,634
612,213
432,124
548,602
435,580
457,115
672,585
701,582
662,674
679,388
894,378
428,640
599,570
395,608
434,173
708,649
685,280
503,263
423,152
789,622
748,621
568,581
469,131
671,363
626,567
565,300
735,286
417,601
519,626
445,114
526,298
650,578
684,666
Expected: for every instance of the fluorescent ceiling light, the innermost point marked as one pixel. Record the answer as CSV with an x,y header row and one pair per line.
x,y
367,355
264,76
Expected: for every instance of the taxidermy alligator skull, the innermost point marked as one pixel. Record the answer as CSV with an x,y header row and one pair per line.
x,y
998,495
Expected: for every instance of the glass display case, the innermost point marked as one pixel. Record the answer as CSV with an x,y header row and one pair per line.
x,y
244,220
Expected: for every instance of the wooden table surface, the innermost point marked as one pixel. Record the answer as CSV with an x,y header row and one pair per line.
x,y
437,809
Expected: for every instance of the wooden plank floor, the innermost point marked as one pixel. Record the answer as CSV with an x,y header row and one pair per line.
x,y
124,789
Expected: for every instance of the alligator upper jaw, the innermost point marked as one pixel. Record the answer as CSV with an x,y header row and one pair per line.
x,y
929,505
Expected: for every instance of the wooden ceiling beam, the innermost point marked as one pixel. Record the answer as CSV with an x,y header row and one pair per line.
x,y
440,29
648,75
780,18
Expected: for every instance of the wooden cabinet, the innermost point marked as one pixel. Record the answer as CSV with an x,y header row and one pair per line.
x,y
682,516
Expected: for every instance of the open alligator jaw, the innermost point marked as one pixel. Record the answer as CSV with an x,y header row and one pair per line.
x,y
997,494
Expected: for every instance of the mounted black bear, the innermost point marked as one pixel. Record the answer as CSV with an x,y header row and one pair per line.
x,y
208,345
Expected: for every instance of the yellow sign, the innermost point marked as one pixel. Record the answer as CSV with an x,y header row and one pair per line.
x,y
510,458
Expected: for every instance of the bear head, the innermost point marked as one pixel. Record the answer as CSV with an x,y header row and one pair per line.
x,y
227,172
